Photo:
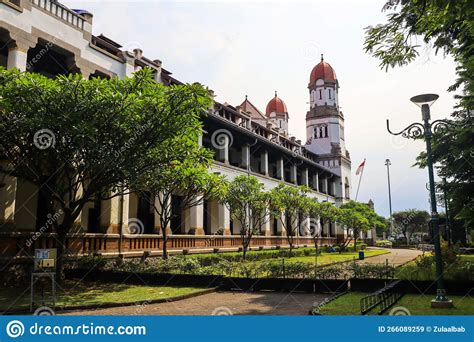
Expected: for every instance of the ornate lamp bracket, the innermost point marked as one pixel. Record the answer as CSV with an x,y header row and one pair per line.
x,y
414,131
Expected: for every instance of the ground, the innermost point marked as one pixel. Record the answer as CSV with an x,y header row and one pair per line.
x,y
237,303
224,303
349,304
396,257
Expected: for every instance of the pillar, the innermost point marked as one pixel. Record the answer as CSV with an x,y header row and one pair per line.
x,y
223,215
17,57
223,148
316,181
280,169
324,185
194,223
264,163
7,205
266,229
245,156
332,189
304,177
340,231
293,174
280,228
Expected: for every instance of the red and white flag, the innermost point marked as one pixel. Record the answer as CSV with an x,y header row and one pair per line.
x,y
360,168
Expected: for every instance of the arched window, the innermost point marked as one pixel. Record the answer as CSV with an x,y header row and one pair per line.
x,y
325,131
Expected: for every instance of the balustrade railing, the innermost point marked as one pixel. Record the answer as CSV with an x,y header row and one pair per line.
x,y
22,245
61,11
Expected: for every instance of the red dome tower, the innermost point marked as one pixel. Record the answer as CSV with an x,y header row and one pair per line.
x,y
276,111
325,123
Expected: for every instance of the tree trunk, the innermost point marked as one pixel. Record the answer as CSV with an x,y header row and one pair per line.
x,y
356,234
165,243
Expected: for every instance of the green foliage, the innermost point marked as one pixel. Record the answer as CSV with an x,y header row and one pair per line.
x,y
383,243
288,204
247,203
411,221
188,175
424,268
359,217
371,271
100,134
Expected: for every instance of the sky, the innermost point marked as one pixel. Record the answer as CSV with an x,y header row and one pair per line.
x,y
253,48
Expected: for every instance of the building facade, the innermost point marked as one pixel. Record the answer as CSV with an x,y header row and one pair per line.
x,y
46,37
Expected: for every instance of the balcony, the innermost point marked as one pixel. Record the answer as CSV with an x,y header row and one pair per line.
x,y
62,12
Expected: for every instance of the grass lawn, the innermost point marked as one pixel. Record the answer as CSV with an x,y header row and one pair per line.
x,y
349,304
329,258
94,293
466,258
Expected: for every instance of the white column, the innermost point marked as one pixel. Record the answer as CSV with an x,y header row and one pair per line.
x,y
304,177
223,215
316,181
223,150
324,185
293,174
332,185
305,226
264,163
266,228
245,156
7,204
17,58
280,228
280,169
194,223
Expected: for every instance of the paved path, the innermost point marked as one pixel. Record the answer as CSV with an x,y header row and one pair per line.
x,y
223,303
396,257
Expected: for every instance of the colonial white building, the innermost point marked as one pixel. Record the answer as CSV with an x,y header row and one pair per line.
x,y
46,37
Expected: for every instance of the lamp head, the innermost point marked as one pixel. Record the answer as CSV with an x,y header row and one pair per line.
x,y
387,162
424,101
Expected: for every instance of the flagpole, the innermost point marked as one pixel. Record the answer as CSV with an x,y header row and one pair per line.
x,y
360,178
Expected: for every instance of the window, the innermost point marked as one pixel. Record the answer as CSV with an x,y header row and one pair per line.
x,y
329,93
320,94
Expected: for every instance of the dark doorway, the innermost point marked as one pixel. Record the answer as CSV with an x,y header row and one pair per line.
x,y
43,211
93,220
145,212
275,227
176,212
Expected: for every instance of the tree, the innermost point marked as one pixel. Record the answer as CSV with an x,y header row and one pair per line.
x,y
321,213
448,26
78,139
289,204
358,217
248,204
411,221
189,178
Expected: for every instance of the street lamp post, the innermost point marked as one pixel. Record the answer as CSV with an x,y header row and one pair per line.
x,y
425,130
388,163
